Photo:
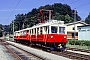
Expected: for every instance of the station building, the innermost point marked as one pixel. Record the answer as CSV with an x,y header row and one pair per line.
x,y
72,28
84,32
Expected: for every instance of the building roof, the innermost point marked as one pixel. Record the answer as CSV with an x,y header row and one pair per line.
x,y
82,22
84,25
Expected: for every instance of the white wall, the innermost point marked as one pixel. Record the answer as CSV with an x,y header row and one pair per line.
x,y
84,33
70,27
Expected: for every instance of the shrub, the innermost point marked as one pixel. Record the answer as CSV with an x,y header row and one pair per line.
x,y
87,43
71,42
79,42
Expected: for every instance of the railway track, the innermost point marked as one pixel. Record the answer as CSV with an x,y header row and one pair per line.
x,y
81,50
70,55
18,53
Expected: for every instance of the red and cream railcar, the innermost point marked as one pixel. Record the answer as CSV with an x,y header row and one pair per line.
x,y
51,34
17,35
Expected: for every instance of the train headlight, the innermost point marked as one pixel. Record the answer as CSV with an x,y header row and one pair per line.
x,y
64,36
51,36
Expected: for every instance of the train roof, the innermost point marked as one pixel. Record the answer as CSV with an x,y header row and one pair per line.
x,y
17,31
47,23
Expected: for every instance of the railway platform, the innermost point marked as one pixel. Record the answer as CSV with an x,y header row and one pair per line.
x,y
4,54
39,53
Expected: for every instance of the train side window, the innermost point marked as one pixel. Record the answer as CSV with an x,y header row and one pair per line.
x,y
48,29
24,32
21,33
37,31
41,30
31,31
45,30
18,33
15,34
34,31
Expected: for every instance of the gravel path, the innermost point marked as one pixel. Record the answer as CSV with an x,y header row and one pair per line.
x,y
42,54
4,54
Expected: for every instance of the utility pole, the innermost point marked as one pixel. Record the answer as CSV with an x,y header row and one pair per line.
x,y
13,30
74,24
3,33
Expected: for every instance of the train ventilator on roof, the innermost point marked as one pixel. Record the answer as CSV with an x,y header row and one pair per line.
x,y
51,22
55,22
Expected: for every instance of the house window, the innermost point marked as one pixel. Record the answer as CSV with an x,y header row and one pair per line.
x,y
76,34
79,28
73,28
72,35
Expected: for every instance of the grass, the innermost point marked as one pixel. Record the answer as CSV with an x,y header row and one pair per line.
x,y
78,46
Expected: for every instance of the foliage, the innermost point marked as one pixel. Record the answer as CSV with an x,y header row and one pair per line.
x,y
1,29
87,19
60,12
79,42
1,33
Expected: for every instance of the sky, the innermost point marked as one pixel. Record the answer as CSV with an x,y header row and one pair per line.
x,y
9,8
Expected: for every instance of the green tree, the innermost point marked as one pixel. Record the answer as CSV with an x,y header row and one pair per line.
x,y
65,18
1,29
68,19
61,12
87,19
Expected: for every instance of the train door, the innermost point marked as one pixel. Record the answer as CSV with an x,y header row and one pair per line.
x,y
18,35
27,34
40,34
35,37
37,34
24,35
30,33
45,33
53,35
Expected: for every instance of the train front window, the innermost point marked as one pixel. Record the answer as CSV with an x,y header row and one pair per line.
x,y
61,30
24,32
54,29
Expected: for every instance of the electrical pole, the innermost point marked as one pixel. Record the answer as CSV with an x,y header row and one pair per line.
x,y
49,14
13,30
3,33
74,24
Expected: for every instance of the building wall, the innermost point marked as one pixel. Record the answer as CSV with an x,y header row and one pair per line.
x,y
70,27
84,33
70,30
69,35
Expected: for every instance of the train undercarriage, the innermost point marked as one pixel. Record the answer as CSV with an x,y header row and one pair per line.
x,y
46,46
